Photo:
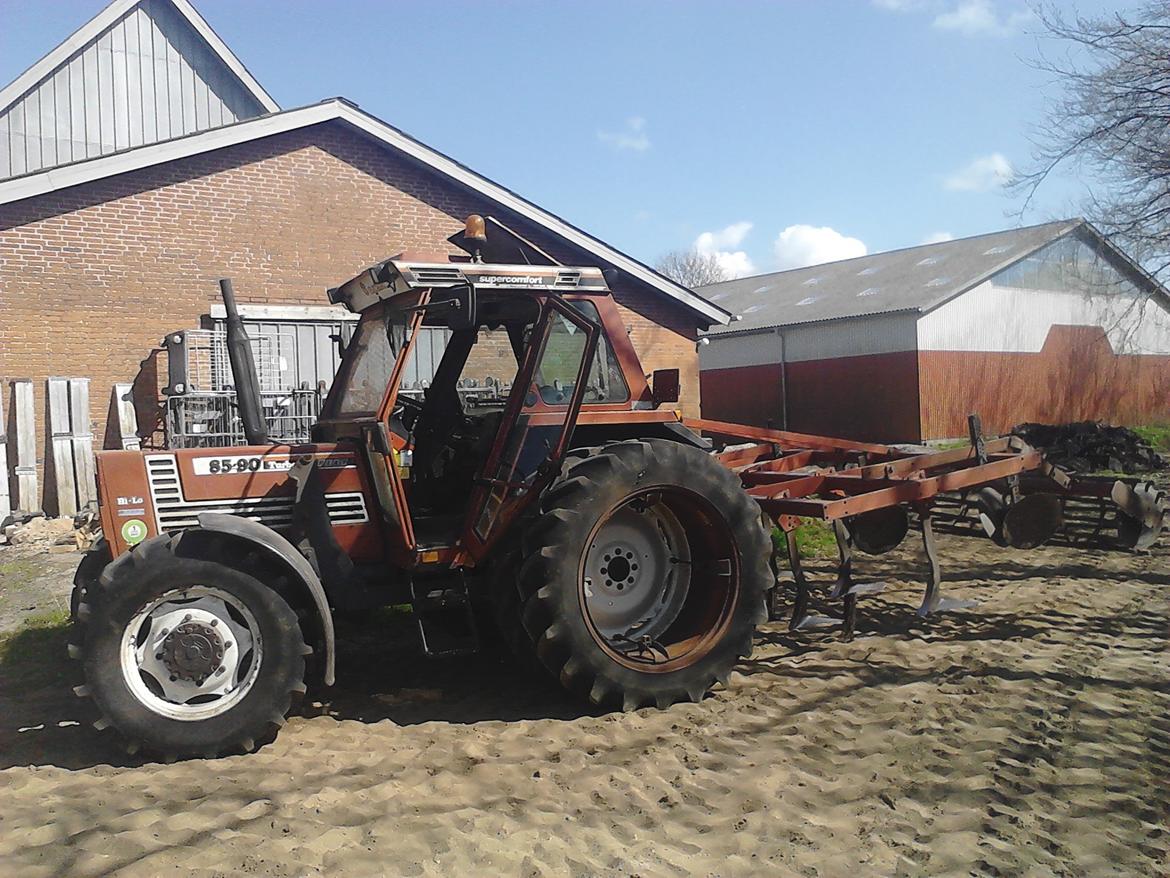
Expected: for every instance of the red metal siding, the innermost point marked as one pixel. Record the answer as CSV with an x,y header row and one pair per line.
x,y
743,395
1076,376
873,397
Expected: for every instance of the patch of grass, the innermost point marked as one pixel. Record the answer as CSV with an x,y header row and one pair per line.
x,y
36,654
814,539
950,444
21,570
1158,435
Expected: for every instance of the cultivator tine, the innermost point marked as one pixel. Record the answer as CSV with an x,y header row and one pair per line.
x,y
845,567
932,599
801,619
844,586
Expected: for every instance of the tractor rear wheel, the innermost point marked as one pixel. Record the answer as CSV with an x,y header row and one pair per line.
x,y
188,656
644,576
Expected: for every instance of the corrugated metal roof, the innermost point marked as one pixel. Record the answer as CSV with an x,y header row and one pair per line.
x,y
912,279
140,72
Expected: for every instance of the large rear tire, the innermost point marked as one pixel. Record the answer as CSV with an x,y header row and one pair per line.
x,y
187,656
644,576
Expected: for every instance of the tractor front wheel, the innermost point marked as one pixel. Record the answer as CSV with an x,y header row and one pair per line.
x,y
188,656
644,576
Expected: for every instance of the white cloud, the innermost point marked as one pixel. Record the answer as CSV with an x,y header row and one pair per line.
x,y
980,175
973,17
722,243
938,237
801,245
900,5
633,136
730,236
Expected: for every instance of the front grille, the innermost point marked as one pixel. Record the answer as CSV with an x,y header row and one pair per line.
x,y
173,512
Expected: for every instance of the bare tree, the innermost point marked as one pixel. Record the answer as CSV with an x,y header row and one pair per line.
x,y
691,268
1112,124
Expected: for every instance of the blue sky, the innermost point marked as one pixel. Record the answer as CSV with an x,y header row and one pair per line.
x,y
771,133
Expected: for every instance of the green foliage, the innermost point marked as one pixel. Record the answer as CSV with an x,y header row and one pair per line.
x,y
1158,435
814,539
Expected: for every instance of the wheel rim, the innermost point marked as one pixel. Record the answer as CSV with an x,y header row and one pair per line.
x,y
192,653
659,579
637,572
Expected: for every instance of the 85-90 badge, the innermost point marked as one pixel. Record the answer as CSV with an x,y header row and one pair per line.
x,y
242,464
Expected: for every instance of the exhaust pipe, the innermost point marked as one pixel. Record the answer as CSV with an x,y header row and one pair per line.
x,y
239,348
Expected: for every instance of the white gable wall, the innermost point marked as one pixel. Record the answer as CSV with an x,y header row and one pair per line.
x,y
1009,319
147,77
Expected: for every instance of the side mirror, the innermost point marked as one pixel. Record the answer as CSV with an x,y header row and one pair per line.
x,y
664,386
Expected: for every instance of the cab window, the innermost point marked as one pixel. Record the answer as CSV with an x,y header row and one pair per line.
x,y
557,374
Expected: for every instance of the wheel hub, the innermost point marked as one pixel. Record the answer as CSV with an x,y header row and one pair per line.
x,y
636,573
193,651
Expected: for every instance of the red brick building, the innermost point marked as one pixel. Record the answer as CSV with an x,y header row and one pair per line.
x,y
115,223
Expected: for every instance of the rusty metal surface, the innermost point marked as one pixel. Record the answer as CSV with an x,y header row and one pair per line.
x,y
1001,489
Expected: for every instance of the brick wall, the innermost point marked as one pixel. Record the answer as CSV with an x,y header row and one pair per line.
x,y
92,277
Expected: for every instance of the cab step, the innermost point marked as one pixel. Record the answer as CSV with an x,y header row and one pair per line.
x,y
445,618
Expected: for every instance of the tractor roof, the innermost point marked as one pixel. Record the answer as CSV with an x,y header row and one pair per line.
x,y
399,274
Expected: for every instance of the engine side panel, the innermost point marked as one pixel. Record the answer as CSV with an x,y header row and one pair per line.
x,y
144,493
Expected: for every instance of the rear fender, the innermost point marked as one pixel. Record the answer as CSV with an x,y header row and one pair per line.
x,y
284,553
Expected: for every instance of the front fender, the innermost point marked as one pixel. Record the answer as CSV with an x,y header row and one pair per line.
x,y
281,550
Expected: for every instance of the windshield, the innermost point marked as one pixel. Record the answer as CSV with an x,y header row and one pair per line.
x,y
381,335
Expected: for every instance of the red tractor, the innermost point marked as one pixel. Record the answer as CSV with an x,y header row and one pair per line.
x,y
611,545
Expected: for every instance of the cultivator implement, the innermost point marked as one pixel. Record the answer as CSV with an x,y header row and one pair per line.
x,y
873,495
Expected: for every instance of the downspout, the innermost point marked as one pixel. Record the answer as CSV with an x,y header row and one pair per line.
x,y
783,379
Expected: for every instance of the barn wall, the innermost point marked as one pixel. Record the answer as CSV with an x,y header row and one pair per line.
x,y
91,278
1016,355
744,395
873,397
148,77
1076,375
852,378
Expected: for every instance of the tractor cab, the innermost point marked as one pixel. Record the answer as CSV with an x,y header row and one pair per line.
x,y
463,384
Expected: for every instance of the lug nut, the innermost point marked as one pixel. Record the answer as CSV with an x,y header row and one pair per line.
x,y
214,622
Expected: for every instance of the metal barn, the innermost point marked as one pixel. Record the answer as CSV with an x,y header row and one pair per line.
x,y
1047,323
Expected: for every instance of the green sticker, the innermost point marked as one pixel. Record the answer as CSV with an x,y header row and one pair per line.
x,y
134,531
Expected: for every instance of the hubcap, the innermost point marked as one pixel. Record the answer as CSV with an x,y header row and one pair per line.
x,y
192,653
637,573
659,582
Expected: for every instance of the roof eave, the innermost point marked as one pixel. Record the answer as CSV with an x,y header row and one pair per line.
x,y
749,330
137,158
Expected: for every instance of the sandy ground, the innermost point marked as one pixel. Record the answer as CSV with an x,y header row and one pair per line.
x,y
1028,737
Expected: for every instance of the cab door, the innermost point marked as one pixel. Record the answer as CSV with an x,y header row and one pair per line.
x,y
538,420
